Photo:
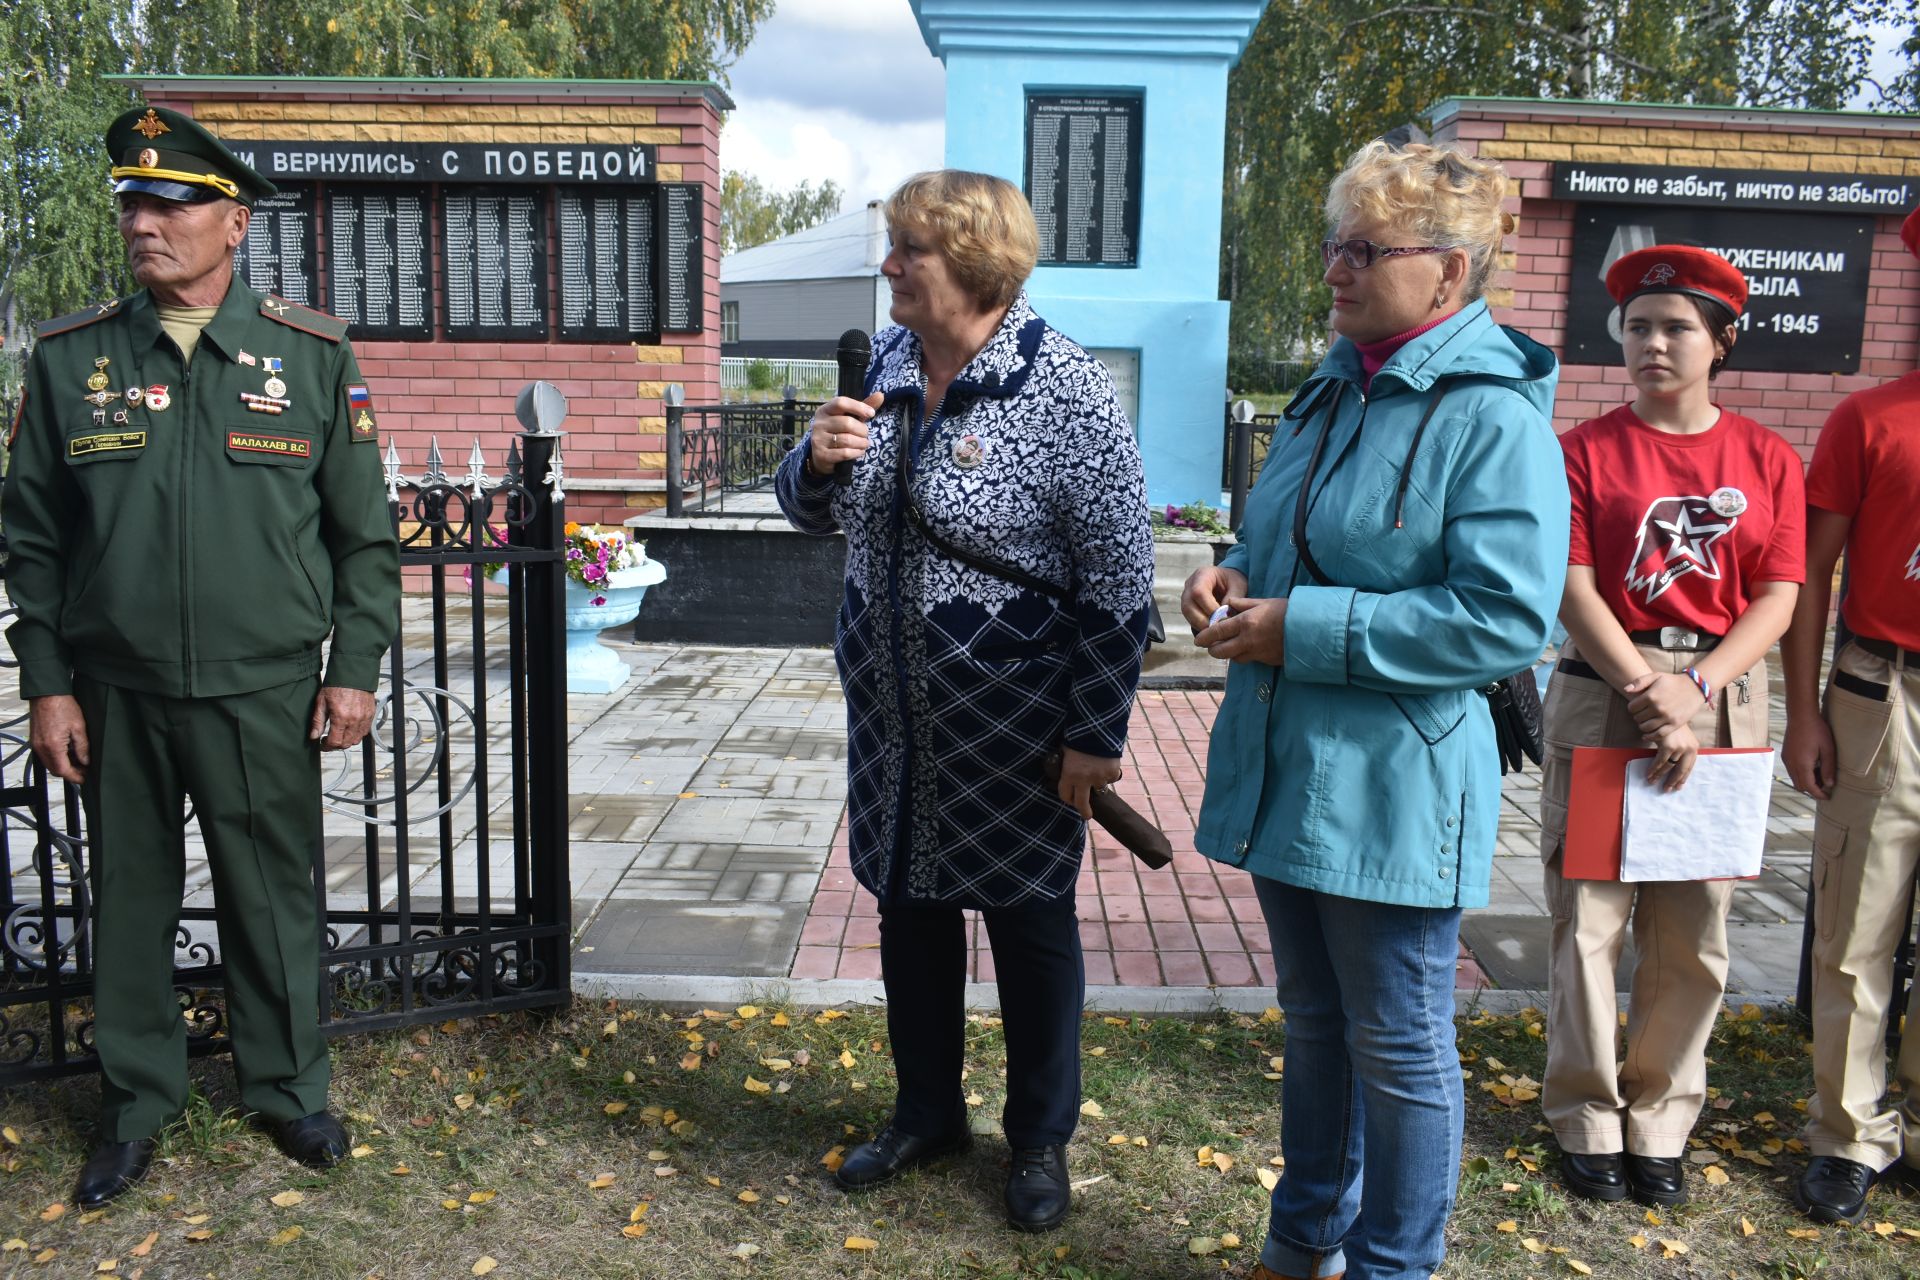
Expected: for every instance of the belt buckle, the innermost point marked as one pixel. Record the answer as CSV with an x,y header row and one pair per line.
x,y
1679,638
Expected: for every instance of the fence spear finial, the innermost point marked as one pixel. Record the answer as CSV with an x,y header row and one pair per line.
x,y
392,467
478,481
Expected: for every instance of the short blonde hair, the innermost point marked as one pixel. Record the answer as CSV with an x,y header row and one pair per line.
x,y
981,224
1436,195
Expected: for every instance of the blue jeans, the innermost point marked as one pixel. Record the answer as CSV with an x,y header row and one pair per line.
x,y
1371,1071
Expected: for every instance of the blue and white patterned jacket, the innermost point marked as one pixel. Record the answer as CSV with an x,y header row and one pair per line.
x,y
959,682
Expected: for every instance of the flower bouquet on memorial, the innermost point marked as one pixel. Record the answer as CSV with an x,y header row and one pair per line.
x,y
594,555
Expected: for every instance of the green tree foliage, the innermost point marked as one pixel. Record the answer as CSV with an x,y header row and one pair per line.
x,y
58,248
750,214
1321,77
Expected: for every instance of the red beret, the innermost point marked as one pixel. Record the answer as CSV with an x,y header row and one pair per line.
x,y
1910,233
1678,268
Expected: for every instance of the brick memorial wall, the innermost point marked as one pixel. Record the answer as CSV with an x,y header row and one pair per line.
x,y
1809,204
381,174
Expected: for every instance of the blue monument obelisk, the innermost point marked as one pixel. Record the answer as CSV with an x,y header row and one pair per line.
x,y
1111,114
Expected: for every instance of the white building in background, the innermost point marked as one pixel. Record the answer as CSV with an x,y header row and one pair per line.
x,y
793,298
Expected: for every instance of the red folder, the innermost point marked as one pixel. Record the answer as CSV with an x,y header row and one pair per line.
x,y
1596,803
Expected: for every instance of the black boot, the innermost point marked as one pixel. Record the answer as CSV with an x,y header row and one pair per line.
x,y
318,1141
111,1169
1834,1189
892,1154
1656,1180
1597,1176
1037,1192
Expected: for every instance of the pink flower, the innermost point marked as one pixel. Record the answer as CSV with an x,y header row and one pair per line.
x,y
593,573
599,600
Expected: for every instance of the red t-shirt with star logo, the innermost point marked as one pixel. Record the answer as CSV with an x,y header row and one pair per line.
x,y
1680,530
1867,466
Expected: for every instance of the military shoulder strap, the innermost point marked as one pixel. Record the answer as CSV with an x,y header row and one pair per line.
x,y
305,319
79,319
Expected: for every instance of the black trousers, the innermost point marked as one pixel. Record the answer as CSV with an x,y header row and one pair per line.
x,y
1043,984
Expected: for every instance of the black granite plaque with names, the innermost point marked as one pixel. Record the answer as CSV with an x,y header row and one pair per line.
x,y
378,279
493,257
1083,176
278,255
682,258
607,250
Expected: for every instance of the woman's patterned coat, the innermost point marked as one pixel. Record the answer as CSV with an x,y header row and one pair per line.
x,y
959,682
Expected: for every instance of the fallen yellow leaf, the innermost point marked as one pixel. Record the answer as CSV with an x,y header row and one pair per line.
x,y
107,1265
287,1235
1883,1228
600,1182
450,1205
14,1245
1532,1246
758,1086
46,1255
53,1212
782,1020
1508,1225
748,1011
1092,1108
1222,1161
847,1059
485,1266
748,1197
399,1171
11,1134
634,1230
1747,1228
196,1219
640,1211
1715,1176
1268,1178
1672,1248
145,1247
482,1197
1117,1140
361,1151
1574,1264
1804,1233
200,1236
614,1108
288,1199
861,1243
463,1100
1228,1240
834,1159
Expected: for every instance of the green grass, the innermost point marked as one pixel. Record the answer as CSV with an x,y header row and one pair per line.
x,y
518,1106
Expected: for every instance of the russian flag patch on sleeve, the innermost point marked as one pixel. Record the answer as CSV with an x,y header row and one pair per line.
x,y
360,413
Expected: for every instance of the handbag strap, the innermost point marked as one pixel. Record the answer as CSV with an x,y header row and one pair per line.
x,y
1304,502
973,560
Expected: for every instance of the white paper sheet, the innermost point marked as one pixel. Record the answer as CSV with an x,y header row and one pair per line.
x,y
1712,828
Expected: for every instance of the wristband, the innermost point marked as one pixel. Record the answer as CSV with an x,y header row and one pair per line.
x,y
1700,683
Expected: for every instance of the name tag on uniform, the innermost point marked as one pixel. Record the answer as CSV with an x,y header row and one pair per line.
x,y
255,442
80,446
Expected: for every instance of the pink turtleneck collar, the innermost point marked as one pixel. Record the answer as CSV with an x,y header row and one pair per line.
x,y
1374,355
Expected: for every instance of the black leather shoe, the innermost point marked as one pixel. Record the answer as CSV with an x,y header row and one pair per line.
x,y
1833,1189
892,1154
111,1169
1037,1193
1597,1177
318,1141
1656,1179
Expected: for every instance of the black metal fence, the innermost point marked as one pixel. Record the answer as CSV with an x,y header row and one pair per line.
x,y
443,879
716,450
1248,439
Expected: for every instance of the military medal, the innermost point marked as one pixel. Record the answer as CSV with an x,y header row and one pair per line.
x,y
98,380
158,397
1727,501
969,451
135,396
275,387
264,404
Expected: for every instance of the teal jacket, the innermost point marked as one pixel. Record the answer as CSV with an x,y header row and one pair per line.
x,y
1365,765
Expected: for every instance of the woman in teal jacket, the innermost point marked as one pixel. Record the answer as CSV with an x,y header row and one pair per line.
x,y
1404,547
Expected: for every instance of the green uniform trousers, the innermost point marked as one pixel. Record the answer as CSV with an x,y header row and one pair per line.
x,y
254,779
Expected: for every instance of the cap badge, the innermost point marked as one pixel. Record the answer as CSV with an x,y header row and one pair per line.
x,y
1727,501
149,158
151,126
1659,273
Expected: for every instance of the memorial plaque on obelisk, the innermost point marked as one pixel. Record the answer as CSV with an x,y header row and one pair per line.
x,y
682,256
607,245
1083,177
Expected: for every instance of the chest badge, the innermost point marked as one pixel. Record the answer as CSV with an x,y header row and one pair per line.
x,y
158,397
134,396
969,451
275,386
101,399
97,381
1727,501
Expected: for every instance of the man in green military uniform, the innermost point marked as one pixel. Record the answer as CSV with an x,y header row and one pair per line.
x,y
194,505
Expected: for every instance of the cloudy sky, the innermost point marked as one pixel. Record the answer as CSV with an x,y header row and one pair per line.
x,y
840,89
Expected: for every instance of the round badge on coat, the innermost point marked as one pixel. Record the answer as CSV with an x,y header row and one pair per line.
x,y
1727,501
135,396
969,451
158,397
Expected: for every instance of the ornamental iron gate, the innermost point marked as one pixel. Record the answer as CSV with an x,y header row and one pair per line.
x,y
442,875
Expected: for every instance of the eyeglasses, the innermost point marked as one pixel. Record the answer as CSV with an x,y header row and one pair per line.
x,y
1361,254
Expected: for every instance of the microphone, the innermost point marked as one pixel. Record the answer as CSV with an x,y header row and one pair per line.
x,y
855,350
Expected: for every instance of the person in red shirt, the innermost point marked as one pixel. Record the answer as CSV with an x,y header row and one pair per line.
x,y
1857,759
1684,563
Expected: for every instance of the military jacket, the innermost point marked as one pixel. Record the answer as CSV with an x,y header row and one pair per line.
x,y
168,531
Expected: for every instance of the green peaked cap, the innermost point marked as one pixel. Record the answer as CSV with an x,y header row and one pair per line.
x,y
166,154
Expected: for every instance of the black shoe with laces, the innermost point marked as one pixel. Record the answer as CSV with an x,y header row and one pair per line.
x,y
1038,1196
1833,1189
892,1154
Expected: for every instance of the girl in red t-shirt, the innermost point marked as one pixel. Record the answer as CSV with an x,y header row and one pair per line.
x,y
1686,557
